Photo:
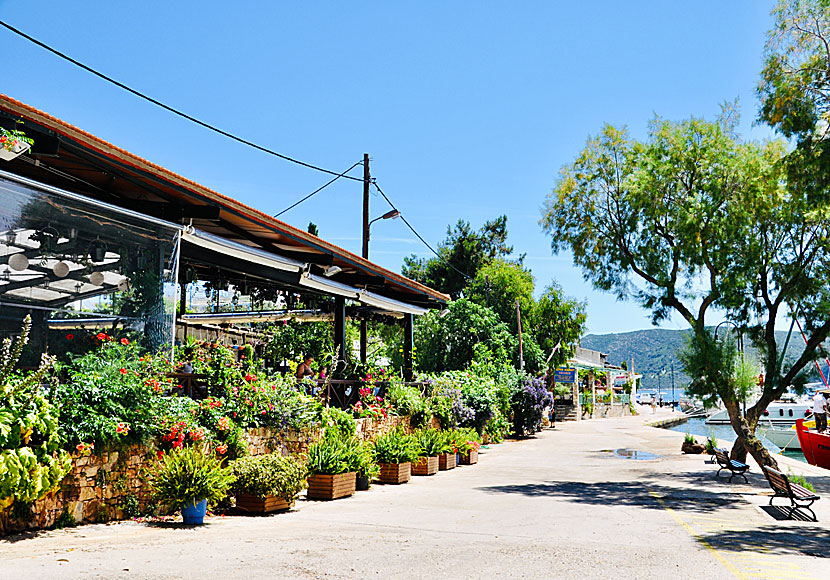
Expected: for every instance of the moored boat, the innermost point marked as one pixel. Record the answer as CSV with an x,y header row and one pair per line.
x,y
779,413
814,445
781,436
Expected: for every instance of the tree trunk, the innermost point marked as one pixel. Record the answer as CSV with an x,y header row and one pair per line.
x,y
747,442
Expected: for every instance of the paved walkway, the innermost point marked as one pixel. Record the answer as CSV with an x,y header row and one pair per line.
x,y
561,505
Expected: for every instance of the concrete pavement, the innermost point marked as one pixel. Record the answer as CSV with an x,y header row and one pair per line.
x,y
560,505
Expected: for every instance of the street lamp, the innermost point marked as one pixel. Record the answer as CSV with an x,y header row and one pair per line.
x,y
390,215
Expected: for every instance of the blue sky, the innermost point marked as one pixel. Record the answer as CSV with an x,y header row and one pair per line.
x,y
468,110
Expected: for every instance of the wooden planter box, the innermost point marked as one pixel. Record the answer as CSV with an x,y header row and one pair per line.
x,y
331,486
425,466
469,459
252,503
395,472
446,461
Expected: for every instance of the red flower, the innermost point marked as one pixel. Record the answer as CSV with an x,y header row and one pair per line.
x,y
101,336
70,336
122,428
249,377
122,371
125,342
222,449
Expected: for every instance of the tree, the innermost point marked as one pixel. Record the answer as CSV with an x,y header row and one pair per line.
x,y
462,253
499,285
465,334
704,223
558,320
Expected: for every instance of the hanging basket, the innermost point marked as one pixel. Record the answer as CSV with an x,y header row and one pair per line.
x,y
18,149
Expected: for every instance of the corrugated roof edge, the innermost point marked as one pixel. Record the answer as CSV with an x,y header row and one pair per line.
x,y
18,108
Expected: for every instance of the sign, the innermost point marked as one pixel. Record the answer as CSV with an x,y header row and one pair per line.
x,y
564,375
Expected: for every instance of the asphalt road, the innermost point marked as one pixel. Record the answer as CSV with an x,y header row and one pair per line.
x,y
560,505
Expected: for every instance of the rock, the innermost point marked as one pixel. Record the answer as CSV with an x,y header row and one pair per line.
x,y
692,448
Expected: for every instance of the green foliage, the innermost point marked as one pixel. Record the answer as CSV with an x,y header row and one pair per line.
x,y
65,520
689,438
799,480
464,440
269,475
711,444
558,320
31,461
112,395
431,442
188,474
291,340
129,505
528,400
407,400
363,461
340,422
498,285
333,454
395,447
462,253
467,334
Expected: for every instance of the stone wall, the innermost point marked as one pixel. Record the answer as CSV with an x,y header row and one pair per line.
x,y
100,488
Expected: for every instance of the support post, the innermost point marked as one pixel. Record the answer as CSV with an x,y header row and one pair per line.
x,y
363,327
519,326
408,335
340,334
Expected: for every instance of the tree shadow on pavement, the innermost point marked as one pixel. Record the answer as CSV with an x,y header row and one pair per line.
x,y
645,494
772,539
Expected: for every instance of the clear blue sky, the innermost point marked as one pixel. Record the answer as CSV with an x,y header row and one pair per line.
x,y
468,110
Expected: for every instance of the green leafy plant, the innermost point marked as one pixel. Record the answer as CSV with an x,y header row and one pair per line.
x,y
31,461
9,139
465,440
395,447
800,480
363,461
431,442
188,474
270,475
711,444
689,438
408,401
338,421
333,454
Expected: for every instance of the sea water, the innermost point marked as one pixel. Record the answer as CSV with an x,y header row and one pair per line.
x,y
699,428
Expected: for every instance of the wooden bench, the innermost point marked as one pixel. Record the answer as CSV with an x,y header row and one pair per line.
x,y
734,467
800,497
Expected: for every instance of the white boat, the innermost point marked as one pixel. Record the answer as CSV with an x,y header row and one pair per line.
x,y
785,438
779,413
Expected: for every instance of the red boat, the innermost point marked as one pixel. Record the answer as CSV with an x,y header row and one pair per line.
x,y
814,445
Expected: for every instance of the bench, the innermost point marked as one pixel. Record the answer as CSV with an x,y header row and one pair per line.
x,y
734,467
800,497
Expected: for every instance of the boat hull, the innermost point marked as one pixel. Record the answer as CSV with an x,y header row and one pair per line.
x,y
781,437
814,445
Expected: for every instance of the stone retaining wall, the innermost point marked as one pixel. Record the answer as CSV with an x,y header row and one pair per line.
x,y
100,487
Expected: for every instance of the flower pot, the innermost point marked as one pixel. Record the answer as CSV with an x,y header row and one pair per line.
x,y
395,472
256,504
362,482
692,448
194,512
18,149
447,461
331,486
425,466
470,458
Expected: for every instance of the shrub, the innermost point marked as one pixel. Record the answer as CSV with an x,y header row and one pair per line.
x,y
269,475
31,461
188,475
689,438
408,400
431,442
464,440
332,455
395,447
528,401
338,421
363,461
799,480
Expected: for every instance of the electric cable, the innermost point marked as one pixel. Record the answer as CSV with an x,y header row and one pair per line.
x,y
171,109
319,189
412,229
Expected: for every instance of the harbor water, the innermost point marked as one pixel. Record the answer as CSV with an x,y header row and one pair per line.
x,y
700,429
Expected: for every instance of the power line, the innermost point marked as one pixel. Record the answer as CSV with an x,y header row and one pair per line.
x,y
439,256
171,109
319,189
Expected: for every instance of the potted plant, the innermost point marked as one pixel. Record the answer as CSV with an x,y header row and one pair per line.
x,y
690,445
268,483
430,443
365,466
13,143
330,467
395,451
467,442
448,456
187,479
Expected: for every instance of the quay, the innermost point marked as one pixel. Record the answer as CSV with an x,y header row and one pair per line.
x,y
565,504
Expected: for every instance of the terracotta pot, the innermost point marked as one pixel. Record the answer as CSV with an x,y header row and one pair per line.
x,y
395,472
470,459
331,486
255,504
425,466
447,461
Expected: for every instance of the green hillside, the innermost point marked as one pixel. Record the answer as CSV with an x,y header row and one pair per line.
x,y
655,350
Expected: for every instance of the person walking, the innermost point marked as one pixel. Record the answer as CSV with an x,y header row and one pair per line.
x,y
820,409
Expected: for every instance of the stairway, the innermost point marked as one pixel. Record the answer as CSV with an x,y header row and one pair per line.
x,y
565,412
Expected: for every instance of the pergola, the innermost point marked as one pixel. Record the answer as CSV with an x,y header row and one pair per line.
x,y
96,217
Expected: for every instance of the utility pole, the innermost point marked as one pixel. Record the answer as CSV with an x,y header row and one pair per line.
x,y
363,326
519,324
672,382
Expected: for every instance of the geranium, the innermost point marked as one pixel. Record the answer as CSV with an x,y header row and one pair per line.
x,y
125,342
122,428
101,336
222,449
122,370
223,424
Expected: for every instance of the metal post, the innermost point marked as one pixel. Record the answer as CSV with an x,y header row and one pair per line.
x,y
408,335
340,333
519,325
363,326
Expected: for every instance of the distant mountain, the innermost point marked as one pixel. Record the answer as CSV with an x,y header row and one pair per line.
x,y
655,351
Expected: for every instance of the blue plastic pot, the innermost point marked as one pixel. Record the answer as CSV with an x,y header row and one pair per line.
x,y
194,512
